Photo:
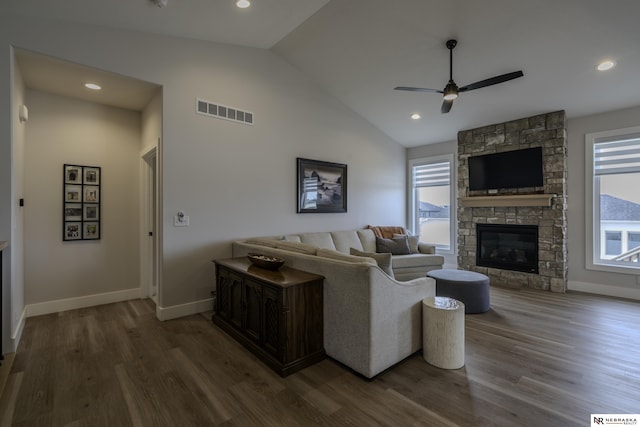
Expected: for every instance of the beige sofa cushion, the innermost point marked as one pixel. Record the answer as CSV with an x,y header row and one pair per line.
x,y
415,260
368,240
320,240
340,256
383,260
343,240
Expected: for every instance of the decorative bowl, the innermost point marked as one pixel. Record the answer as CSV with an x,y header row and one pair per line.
x,y
267,262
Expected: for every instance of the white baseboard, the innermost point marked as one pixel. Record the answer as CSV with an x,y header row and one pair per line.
x,y
613,291
182,310
17,332
81,302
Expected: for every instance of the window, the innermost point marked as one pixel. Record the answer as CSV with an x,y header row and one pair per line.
x,y
613,243
432,196
633,240
613,199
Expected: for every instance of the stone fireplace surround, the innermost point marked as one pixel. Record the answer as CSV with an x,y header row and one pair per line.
x,y
512,206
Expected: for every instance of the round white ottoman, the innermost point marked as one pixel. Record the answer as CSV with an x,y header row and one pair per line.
x,y
443,332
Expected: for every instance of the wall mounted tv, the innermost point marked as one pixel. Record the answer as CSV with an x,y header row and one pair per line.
x,y
509,169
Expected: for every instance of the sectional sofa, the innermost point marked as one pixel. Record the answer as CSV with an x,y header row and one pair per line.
x,y
372,319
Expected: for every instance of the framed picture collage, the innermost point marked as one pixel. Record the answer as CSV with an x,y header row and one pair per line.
x,y
81,203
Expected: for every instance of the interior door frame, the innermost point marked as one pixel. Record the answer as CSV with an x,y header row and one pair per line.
x,y
149,244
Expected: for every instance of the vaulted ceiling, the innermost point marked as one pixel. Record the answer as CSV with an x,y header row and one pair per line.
x,y
359,50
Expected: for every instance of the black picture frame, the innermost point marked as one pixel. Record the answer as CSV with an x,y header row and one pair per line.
x,y
321,186
81,201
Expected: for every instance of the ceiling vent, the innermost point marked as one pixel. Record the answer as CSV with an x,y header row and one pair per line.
x,y
213,109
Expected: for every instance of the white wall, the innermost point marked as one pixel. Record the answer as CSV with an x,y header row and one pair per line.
x,y
17,213
624,285
63,130
232,180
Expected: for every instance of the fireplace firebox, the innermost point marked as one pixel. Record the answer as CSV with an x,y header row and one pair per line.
x,y
508,247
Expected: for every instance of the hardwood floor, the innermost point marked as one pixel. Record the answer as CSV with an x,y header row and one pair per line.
x,y
535,359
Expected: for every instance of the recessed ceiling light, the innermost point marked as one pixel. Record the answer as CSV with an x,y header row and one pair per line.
x,y
92,86
606,65
416,116
243,4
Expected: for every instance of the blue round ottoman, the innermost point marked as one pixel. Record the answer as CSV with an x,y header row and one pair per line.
x,y
469,287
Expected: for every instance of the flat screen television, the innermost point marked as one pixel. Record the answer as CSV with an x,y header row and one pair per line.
x,y
509,169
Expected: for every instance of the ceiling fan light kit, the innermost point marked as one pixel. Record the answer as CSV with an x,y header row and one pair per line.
x,y
451,90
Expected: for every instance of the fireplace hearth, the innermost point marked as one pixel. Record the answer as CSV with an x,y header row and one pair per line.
x,y
508,247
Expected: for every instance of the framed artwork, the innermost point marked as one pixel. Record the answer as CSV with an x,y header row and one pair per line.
x,y
72,174
72,231
91,194
91,176
90,213
81,202
322,186
72,212
72,193
90,230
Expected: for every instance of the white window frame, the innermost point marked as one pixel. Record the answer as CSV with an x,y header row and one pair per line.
x,y
593,233
413,207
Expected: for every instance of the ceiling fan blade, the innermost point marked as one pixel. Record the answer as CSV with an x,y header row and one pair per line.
x,y
492,81
417,89
446,106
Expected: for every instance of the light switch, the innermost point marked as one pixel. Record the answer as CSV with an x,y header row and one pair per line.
x,y
181,220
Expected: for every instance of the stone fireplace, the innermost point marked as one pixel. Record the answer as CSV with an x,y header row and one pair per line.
x,y
542,209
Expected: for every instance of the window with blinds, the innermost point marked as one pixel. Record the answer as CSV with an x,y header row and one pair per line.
x,y
432,175
615,200
433,197
617,156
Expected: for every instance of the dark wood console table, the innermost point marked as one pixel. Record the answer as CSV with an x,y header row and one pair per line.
x,y
277,315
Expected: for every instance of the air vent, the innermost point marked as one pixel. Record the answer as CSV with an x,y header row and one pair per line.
x,y
213,109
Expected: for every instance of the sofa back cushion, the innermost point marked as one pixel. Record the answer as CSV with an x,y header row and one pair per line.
x,y
343,240
320,240
368,240
341,256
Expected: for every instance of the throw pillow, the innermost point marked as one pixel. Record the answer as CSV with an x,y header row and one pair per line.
x,y
395,245
383,260
413,242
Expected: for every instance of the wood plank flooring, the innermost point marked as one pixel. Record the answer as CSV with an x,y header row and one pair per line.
x,y
535,359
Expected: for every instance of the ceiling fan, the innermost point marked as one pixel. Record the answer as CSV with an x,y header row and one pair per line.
x,y
451,90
